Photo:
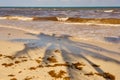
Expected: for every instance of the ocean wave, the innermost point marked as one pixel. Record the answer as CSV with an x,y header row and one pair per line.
x,y
65,19
95,20
44,18
108,11
17,18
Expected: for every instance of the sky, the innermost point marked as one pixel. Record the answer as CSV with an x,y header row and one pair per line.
x,y
59,3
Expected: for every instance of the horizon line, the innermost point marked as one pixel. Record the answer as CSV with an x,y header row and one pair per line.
x,y
59,6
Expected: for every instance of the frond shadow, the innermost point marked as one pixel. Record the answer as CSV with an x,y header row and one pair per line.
x,y
67,48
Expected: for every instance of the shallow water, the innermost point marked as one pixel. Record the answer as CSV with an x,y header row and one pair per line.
x,y
98,31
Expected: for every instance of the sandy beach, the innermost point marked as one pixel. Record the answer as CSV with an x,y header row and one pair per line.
x,y
50,50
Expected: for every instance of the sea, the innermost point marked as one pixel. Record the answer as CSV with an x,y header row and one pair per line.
x,y
72,14
74,21
75,12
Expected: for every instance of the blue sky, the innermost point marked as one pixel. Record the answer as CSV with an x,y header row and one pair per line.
x,y
59,2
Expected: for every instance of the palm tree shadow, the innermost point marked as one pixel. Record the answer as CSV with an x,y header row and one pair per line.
x,y
24,51
84,47
77,47
72,73
32,44
113,39
67,48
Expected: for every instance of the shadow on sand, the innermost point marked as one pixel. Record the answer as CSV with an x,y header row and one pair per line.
x,y
113,39
70,50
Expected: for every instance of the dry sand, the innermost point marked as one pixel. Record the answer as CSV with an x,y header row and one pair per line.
x,y
30,56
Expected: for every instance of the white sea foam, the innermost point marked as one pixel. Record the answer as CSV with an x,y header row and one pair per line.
x,y
17,18
62,18
3,17
92,24
108,11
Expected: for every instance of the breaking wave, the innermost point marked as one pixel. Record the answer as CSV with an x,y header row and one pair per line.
x,y
65,19
109,11
17,18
